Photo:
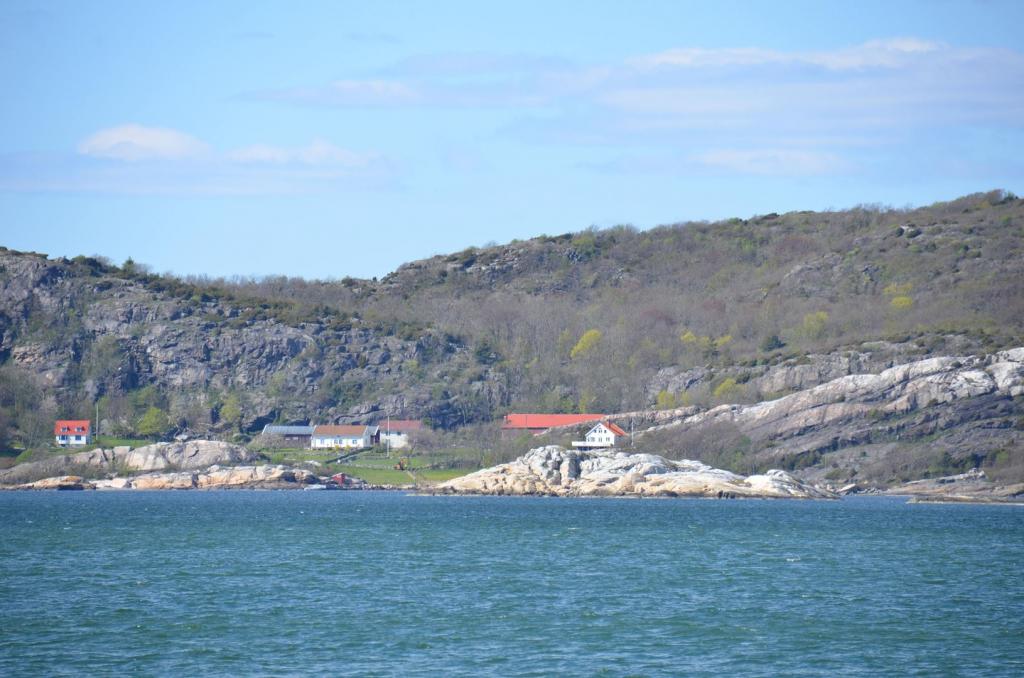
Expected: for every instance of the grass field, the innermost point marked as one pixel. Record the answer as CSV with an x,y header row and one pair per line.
x,y
375,466
291,456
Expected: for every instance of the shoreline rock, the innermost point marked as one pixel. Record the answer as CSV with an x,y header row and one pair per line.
x,y
264,477
178,456
557,471
970,487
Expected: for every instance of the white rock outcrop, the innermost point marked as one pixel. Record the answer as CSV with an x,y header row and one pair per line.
x,y
235,477
897,390
178,456
554,470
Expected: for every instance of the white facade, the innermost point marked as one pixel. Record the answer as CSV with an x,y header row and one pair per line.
x,y
73,440
599,436
343,437
339,441
396,440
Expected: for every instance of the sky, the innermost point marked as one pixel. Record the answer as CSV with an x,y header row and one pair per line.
x,y
333,139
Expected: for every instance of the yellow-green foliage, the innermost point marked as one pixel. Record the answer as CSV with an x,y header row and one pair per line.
x,y
666,400
899,293
586,345
704,343
154,423
898,289
231,410
901,303
726,389
814,324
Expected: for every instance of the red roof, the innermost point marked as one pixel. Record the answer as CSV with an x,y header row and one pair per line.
x,y
355,430
614,428
71,427
401,425
542,421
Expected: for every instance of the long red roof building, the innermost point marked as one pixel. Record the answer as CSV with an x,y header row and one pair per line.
x,y
542,422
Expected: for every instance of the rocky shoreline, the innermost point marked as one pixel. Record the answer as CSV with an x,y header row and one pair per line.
x,y
557,471
198,464
973,487
544,471
213,478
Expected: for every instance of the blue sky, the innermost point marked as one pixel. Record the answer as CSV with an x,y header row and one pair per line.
x,y
345,139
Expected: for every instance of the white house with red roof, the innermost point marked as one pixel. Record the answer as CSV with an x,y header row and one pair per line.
x,y
395,432
351,436
72,432
605,434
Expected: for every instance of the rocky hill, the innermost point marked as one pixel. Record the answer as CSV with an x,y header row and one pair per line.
x,y
679,318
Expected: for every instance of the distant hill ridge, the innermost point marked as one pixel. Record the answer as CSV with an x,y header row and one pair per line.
x,y
602,320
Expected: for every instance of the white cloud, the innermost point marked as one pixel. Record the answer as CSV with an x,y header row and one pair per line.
x,y
875,53
168,162
770,161
317,152
135,142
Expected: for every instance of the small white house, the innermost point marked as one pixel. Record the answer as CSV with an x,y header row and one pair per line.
x,y
605,434
395,432
353,436
72,432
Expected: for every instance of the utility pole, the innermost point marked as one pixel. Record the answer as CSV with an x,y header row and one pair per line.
x,y
97,420
389,435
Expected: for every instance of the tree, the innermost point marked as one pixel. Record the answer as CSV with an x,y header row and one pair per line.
x,y
231,410
726,389
814,324
154,423
666,400
586,345
901,302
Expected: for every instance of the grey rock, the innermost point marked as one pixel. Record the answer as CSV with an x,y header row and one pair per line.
x,y
610,473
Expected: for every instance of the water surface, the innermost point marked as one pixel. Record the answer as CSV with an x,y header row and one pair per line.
x,y
286,583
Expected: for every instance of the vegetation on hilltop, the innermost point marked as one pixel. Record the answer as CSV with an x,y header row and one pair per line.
x,y
589,321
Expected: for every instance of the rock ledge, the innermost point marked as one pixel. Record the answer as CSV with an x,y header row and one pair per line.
x,y
556,471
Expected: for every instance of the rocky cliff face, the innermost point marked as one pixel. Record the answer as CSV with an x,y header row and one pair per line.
x,y
898,422
557,471
85,331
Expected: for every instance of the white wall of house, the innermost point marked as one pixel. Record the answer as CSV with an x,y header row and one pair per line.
x,y
397,440
73,440
599,436
334,442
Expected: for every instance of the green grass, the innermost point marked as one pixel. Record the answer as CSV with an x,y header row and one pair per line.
x,y
299,455
114,441
372,465
374,476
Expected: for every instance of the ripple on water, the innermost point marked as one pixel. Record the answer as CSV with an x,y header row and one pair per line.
x,y
235,583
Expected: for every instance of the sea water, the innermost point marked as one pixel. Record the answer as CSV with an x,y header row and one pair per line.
x,y
368,583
